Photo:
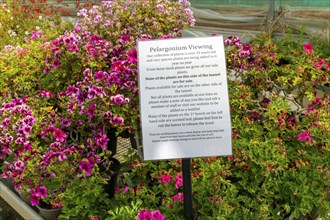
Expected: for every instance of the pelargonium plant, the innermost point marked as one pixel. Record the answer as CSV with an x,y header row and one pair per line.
x,y
94,67
279,97
16,126
45,170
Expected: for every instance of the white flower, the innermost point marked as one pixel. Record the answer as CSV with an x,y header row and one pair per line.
x,y
40,17
38,28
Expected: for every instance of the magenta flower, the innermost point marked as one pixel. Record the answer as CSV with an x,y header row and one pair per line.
x,y
90,110
27,130
305,136
308,48
165,178
117,120
41,191
56,64
118,99
87,167
99,75
45,93
5,123
178,197
144,215
19,165
60,135
178,181
102,141
156,215
34,199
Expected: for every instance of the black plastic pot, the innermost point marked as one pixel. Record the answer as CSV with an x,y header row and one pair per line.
x,y
110,187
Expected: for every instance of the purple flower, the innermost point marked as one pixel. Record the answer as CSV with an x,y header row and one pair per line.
x,y
117,120
102,140
27,130
45,93
34,199
41,191
19,165
5,123
86,166
56,64
91,109
46,69
99,75
55,145
62,157
160,6
132,56
118,99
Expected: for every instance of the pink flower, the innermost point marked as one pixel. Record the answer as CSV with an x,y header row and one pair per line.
x,y
56,64
34,199
94,217
19,165
117,99
178,181
178,197
27,130
156,215
319,64
87,167
308,48
60,135
144,215
102,141
41,191
305,136
165,178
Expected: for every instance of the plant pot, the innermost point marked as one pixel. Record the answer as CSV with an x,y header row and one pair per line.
x,y
25,196
49,214
110,187
8,182
112,143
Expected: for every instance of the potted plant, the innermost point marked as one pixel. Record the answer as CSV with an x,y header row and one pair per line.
x,y
109,57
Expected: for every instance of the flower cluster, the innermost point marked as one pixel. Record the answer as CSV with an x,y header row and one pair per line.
x,y
154,215
16,125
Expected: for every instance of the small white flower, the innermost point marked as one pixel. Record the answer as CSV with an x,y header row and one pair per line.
x,y
40,17
26,33
38,28
11,18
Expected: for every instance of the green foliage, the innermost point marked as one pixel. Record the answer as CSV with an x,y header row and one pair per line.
x,y
84,198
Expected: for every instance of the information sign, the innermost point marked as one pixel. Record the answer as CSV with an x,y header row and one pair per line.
x,y
184,98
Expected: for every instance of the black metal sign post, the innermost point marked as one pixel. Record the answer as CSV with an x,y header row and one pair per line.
x,y
187,189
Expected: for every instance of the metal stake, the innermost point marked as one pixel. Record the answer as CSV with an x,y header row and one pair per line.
x,y
187,189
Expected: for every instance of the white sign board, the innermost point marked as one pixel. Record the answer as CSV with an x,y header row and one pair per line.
x,y
184,98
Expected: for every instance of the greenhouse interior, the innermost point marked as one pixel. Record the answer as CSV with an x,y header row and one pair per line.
x,y
277,63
